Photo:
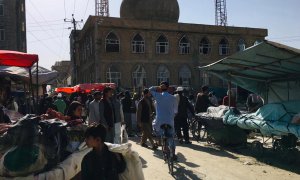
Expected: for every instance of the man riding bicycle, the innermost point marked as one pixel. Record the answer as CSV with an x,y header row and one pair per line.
x,y
166,108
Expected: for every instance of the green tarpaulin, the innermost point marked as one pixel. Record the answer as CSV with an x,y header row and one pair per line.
x,y
269,69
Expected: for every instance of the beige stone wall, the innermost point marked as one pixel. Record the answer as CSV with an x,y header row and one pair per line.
x,y
125,61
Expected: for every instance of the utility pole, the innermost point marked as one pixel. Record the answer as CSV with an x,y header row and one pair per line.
x,y
73,48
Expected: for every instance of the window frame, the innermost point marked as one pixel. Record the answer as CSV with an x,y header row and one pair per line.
x,y
203,46
184,47
113,75
185,75
138,47
2,9
162,75
112,43
2,34
162,47
224,47
136,75
241,46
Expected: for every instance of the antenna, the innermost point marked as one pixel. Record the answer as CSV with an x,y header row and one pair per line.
x,y
102,8
221,12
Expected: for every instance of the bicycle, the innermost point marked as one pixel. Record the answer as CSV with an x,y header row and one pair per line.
x,y
198,129
168,151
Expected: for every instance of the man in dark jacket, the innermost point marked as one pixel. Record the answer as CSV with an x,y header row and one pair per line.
x,y
202,101
127,104
100,163
180,119
107,114
144,118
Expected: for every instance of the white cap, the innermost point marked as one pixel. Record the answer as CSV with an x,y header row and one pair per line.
x,y
179,88
59,95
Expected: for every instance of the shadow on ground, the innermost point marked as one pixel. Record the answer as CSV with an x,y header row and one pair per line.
x,y
288,159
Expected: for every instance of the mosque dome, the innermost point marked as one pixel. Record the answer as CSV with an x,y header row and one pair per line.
x,y
158,10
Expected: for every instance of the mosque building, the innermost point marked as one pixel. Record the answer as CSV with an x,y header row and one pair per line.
x,y
147,45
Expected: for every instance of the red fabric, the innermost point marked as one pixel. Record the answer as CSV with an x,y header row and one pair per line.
x,y
68,90
87,88
18,59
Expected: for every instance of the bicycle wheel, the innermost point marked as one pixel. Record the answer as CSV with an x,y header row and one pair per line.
x,y
198,130
170,162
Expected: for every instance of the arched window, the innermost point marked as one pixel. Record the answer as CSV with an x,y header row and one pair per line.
x,y
241,45
185,76
184,45
139,76
223,47
138,44
163,74
112,43
113,76
205,77
162,45
204,46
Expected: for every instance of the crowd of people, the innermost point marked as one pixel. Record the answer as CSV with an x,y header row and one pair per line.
x,y
105,112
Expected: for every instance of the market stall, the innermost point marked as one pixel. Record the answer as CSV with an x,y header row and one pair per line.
x,y
271,70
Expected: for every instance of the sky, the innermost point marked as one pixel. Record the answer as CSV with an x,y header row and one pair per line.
x,y
48,34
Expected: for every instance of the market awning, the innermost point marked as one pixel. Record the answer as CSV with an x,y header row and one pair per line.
x,y
269,69
20,73
68,90
88,87
18,59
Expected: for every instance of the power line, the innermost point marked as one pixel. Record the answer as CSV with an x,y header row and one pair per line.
x,y
46,31
57,20
43,44
40,39
65,8
74,6
87,4
39,25
40,15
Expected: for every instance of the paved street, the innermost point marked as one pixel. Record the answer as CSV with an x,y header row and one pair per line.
x,y
203,161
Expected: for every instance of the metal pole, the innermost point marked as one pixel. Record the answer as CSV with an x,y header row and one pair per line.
x,y
31,89
37,85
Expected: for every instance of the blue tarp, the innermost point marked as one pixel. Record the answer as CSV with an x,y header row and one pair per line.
x,y
271,119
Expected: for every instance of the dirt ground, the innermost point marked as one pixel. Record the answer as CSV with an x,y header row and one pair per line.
x,y
211,162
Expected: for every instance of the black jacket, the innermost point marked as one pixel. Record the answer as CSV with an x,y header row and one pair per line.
x,y
103,166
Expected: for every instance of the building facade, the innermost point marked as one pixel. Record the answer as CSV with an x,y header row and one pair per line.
x,y
13,25
136,51
64,73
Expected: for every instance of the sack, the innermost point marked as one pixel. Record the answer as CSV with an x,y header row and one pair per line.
x,y
54,138
124,135
134,170
22,161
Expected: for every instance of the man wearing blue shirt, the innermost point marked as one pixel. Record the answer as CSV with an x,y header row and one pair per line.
x,y
166,108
